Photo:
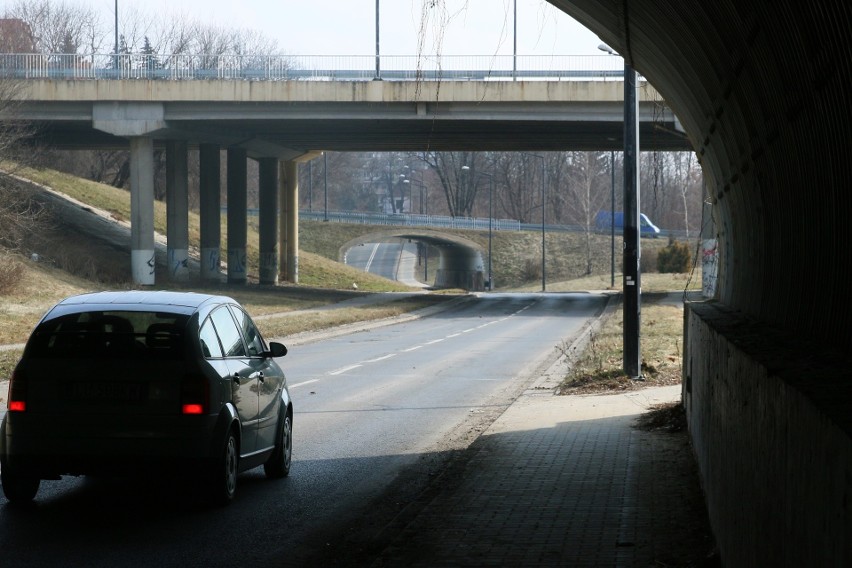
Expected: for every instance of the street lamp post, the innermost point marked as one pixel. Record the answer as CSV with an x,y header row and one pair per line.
x,y
325,183
421,245
490,222
543,276
632,287
632,243
115,60
604,47
311,185
425,211
490,226
612,220
378,66
515,44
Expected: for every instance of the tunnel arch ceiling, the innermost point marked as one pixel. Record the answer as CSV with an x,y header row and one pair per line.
x,y
762,90
460,262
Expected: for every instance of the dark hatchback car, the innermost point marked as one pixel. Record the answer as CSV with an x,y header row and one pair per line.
x,y
146,383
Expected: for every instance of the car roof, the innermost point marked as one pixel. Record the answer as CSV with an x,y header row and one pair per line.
x,y
161,300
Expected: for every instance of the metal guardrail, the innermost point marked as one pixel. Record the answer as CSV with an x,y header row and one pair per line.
x,y
411,220
179,67
444,222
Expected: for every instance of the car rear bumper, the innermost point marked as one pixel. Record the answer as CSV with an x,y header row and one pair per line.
x,y
54,447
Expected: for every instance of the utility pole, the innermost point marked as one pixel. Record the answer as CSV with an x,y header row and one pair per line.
x,y
325,183
515,45
116,40
632,244
612,220
378,76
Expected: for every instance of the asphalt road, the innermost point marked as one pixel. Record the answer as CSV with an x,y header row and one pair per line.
x,y
381,259
377,412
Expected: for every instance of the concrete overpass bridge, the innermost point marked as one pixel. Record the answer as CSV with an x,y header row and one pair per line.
x,y
460,262
280,119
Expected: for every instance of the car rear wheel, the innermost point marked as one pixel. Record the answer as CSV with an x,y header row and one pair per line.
x,y
278,464
223,477
18,487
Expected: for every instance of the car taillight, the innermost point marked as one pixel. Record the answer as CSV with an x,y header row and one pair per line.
x,y
17,393
194,395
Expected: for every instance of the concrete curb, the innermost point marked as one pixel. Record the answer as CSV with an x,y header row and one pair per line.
x,y
552,376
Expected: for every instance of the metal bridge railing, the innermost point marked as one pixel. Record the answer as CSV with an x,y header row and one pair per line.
x,y
444,222
309,67
412,220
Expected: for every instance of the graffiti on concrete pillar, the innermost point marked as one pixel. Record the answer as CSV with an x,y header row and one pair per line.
x,y
213,260
142,266
268,260
709,267
236,261
179,262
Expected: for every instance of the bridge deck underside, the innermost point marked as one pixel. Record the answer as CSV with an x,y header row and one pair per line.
x,y
387,135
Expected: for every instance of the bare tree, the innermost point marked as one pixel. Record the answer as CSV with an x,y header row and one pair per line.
x,y
689,182
520,193
459,184
18,212
178,35
586,173
59,27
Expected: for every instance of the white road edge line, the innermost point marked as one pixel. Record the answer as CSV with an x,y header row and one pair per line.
x,y
303,383
372,256
415,348
382,358
344,369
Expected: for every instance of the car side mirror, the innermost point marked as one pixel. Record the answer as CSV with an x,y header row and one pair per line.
x,y
276,349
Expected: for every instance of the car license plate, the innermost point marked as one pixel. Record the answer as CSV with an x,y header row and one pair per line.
x,y
107,391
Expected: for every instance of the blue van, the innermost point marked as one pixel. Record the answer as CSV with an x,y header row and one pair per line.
x,y
603,223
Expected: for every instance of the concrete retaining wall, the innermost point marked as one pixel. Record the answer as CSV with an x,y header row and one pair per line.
x,y
771,426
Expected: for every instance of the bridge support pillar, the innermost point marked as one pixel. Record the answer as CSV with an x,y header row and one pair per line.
x,y
177,209
210,210
268,220
142,259
288,218
237,215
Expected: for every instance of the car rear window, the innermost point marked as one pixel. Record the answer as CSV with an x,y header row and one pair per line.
x,y
110,334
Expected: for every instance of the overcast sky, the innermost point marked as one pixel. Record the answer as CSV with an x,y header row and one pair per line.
x,y
347,27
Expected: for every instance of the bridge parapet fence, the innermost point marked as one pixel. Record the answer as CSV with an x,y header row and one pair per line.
x,y
412,220
180,67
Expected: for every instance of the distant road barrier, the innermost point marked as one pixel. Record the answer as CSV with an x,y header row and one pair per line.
x,y
309,67
409,220
446,222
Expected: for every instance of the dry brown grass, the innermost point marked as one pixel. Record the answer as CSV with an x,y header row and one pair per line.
x,y
314,269
40,287
600,368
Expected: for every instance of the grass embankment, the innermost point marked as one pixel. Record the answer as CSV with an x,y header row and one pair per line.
x,y
41,286
599,368
314,269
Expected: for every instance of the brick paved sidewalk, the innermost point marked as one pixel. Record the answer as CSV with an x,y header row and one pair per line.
x,y
566,481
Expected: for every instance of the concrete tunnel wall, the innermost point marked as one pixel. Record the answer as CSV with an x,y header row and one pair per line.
x,y
762,89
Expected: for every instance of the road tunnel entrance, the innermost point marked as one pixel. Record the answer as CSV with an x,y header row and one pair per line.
x,y
460,261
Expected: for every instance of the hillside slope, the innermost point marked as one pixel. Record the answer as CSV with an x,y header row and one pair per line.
x,y
84,229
